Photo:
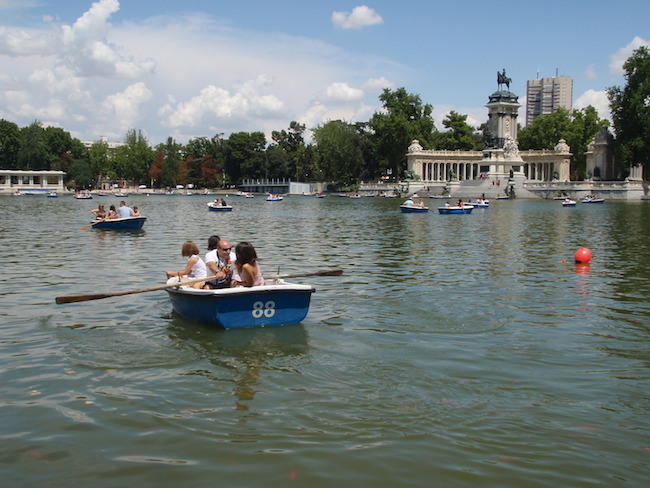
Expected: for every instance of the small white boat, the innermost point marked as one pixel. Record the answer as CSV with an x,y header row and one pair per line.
x,y
465,209
567,202
219,207
83,195
592,199
274,198
52,194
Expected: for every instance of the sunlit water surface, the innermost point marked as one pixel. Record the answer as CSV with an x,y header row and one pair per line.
x,y
454,351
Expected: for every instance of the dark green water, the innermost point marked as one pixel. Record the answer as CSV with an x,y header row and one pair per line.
x,y
454,351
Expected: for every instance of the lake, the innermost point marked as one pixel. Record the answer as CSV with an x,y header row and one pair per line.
x,y
455,350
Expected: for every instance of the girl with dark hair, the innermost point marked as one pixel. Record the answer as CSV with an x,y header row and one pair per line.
x,y
250,273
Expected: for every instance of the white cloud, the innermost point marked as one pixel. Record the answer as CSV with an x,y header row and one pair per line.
x,y
377,85
124,108
598,100
361,16
185,76
620,56
85,45
342,93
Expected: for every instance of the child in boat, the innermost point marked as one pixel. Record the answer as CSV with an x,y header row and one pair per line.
x,y
195,267
112,213
136,212
250,273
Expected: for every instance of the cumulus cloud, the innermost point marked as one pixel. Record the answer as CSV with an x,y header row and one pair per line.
x,y
85,45
215,102
184,76
342,93
598,100
377,85
361,16
620,56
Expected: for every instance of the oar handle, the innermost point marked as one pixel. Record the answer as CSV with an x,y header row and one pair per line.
x,y
99,296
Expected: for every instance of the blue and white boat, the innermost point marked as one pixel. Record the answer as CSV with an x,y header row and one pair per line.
x,y
592,199
218,207
413,209
127,223
274,304
567,202
465,209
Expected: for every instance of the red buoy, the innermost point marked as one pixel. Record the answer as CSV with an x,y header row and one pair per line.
x,y
582,256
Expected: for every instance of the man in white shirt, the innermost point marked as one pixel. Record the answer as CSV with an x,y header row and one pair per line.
x,y
123,211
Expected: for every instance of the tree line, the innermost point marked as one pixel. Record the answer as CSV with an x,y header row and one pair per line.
x,y
340,152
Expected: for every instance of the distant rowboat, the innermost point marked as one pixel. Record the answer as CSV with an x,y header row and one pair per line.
x,y
413,209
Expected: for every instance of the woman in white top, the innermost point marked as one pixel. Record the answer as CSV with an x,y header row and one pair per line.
x,y
195,267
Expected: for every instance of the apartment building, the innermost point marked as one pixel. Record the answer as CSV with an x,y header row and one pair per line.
x,y
546,95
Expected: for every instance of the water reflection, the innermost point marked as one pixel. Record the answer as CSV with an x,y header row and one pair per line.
x,y
242,355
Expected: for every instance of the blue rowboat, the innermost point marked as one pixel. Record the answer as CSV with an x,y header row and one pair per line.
x,y
127,223
275,304
215,207
413,209
465,209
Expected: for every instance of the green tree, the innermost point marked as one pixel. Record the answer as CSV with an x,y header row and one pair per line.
x,y
59,146
545,131
339,149
33,153
630,107
137,157
167,167
9,144
99,161
459,134
293,143
577,128
245,155
585,124
80,174
403,119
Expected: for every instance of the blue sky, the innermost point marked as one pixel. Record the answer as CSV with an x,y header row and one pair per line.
x,y
205,67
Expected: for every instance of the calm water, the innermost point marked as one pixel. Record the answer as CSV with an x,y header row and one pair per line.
x,y
454,351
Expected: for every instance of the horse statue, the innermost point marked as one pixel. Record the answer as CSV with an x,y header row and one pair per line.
x,y
502,79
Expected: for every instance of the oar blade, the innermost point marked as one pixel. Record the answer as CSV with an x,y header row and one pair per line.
x,y
332,272
82,298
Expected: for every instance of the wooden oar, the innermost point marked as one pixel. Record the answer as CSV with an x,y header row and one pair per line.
x,y
91,224
330,272
99,296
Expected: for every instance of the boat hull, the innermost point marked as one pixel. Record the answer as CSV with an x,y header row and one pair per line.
x,y
594,200
413,209
128,223
455,210
242,308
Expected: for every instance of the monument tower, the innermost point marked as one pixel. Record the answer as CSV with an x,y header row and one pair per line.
x,y
501,152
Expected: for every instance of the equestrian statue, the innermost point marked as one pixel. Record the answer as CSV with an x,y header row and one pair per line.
x,y
502,79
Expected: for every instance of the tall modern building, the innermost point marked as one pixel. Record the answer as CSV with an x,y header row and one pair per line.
x,y
546,95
